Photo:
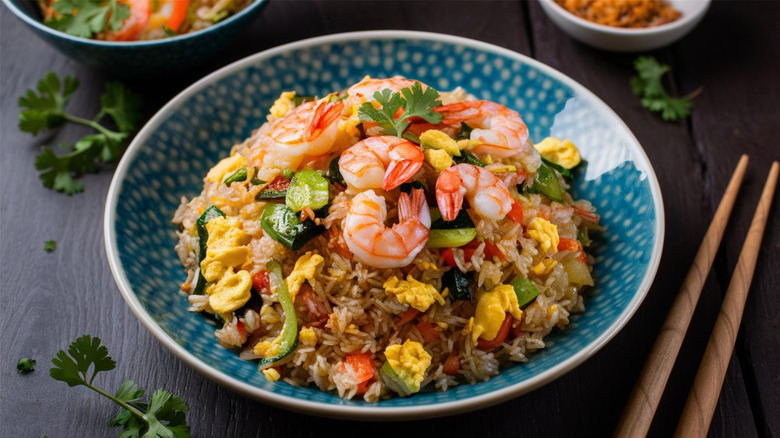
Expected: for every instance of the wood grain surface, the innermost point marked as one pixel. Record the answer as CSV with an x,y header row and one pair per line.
x,y
48,299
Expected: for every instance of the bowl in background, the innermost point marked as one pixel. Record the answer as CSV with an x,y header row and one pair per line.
x,y
132,59
171,154
619,39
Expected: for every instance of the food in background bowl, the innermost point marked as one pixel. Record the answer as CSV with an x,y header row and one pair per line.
x,y
623,13
387,238
135,20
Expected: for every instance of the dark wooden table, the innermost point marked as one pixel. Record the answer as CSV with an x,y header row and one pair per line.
x,y
48,299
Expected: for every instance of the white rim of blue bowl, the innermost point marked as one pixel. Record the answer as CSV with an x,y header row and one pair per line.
x,y
10,4
371,412
642,31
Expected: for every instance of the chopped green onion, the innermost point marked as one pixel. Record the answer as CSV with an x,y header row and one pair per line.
x,y
238,175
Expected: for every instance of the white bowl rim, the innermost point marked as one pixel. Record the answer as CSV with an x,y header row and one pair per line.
x,y
371,412
638,32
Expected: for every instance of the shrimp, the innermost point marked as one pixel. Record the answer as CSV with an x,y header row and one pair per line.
x,y
309,130
375,244
364,90
487,195
498,130
385,161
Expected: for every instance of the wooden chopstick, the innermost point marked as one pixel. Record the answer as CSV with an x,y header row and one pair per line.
x,y
638,413
697,415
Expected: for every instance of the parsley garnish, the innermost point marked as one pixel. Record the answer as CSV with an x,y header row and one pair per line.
x,y
50,246
164,416
44,108
649,87
414,101
25,365
85,18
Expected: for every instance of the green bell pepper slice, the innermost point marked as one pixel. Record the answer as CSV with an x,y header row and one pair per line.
x,y
288,338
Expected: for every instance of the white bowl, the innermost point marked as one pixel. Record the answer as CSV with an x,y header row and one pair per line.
x,y
619,39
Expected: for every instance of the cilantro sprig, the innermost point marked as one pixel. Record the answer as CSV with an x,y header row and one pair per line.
x,y
648,85
165,414
44,108
85,18
413,100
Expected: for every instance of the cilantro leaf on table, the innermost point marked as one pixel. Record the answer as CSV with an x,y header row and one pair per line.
x,y
46,110
648,85
85,18
50,246
165,416
413,100
25,365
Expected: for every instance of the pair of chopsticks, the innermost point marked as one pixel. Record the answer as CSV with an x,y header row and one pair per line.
x,y
703,398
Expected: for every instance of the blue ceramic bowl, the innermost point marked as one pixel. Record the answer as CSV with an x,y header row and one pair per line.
x,y
172,153
139,58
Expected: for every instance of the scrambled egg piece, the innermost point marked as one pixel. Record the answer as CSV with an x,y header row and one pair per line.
x,y
561,152
308,336
226,167
439,140
503,168
545,233
409,361
281,106
226,247
491,311
271,374
412,292
268,348
305,268
231,292
544,267
349,126
438,158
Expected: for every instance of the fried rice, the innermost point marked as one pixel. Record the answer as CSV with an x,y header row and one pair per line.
x,y
347,309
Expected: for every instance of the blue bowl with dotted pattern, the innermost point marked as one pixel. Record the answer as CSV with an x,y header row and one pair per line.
x,y
172,153
135,59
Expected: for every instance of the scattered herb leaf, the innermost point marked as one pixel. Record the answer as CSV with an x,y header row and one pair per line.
x,y
25,365
45,109
85,18
164,416
414,101
168,31
649,87
50,246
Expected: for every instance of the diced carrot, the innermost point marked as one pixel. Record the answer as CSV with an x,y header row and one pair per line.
x,y
492,250
451,364
261,283
449,257
516,213
500,337
363,386
428,331
565,244
573,245
406,316
278,184
133,26
517,331
361,365
241,329
178,14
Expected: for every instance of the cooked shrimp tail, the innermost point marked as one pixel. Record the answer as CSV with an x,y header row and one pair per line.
x,y
498,130
487,195
377,245
383,162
